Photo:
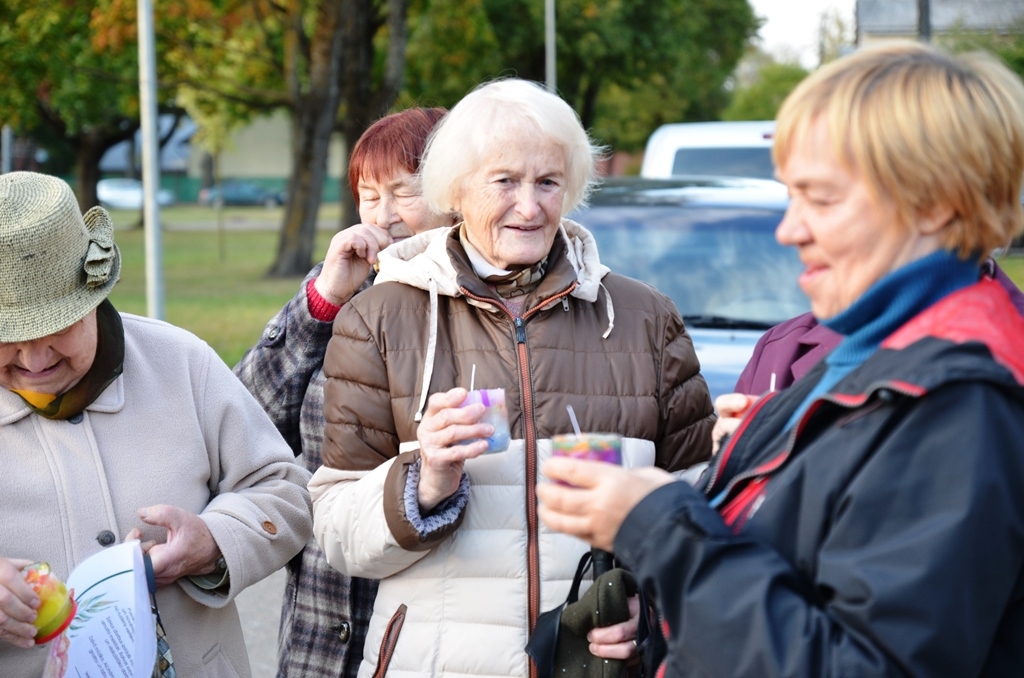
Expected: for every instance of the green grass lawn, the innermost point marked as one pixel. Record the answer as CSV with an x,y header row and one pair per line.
x,y
1014,267
190,213
226,303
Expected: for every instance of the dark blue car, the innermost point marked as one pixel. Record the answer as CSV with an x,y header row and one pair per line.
x,y
709,244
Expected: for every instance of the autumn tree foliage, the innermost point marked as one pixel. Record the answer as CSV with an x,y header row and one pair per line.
x,y
61,71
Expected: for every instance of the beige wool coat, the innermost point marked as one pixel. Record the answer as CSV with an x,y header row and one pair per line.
x,y
459,600
177,427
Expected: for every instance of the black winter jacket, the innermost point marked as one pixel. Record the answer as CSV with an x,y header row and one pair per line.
x,y
882,536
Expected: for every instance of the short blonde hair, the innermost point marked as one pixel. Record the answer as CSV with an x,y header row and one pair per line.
x,y
926,130
500,113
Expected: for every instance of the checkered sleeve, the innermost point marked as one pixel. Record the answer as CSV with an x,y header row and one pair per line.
x,y
278,369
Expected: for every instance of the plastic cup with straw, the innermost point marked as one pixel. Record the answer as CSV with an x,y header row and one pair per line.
x,y
496,413
606,447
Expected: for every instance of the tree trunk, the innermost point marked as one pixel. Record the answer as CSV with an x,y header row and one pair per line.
x,y
206,169
588,111
89,149
313,115
365,103
89,145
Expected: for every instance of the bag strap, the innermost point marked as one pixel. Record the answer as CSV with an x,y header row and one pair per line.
x,y
581,569
164,665
603,561
150,575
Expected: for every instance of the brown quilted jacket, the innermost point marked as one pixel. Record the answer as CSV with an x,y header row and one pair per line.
x,y
642,381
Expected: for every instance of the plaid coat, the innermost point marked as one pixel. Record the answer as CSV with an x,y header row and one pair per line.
x,y
325,614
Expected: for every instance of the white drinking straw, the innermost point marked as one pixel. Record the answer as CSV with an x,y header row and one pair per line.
x,y
472,377
771,385
572,418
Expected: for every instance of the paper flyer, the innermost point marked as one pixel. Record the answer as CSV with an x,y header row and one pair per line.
x,y
113,633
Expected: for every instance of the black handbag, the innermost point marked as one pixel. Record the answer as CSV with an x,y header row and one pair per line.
x,y
559,645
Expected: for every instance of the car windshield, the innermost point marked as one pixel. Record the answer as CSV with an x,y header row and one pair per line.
x,y
721,266
753,162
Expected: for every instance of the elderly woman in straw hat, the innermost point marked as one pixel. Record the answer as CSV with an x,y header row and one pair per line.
x,y
114,426
869,519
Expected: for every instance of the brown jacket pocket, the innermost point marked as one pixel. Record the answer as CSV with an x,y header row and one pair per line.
x,y
390,640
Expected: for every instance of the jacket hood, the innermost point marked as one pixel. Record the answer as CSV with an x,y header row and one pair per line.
x,y
423,258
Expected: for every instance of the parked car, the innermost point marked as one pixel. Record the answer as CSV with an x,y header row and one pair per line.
x,y
709,244
240,192
728,149
127,194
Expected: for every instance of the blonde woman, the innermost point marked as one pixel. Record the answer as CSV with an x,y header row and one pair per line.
x,y
869,519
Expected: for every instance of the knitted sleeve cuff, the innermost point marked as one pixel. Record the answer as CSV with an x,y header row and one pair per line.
x,y
320,308
444,514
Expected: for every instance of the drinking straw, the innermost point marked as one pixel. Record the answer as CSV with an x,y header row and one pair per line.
x,y
771,386
572,418
472,377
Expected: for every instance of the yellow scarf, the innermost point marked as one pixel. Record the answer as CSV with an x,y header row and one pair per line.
x,y
106,367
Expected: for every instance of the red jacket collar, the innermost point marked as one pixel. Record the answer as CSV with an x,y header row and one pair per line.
x,y
981,312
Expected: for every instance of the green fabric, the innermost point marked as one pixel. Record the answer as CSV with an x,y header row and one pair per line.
x,y
605,603
214,580
106,367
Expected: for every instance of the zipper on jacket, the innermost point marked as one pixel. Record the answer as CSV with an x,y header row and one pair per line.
x,y
530,439
530,426
723,455
838,399
532,528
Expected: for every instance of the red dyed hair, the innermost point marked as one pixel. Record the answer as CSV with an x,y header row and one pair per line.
x,y
391,145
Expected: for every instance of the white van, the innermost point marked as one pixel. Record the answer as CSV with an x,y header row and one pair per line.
x,y
722,149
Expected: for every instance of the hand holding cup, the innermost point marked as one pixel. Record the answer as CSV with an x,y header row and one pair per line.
x,y
448,435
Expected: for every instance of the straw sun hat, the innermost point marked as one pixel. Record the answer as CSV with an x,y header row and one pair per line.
x,y
55,265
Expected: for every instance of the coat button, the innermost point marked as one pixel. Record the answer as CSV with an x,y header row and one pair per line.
x,y
344,631
106,538
272,333
270,527
76,419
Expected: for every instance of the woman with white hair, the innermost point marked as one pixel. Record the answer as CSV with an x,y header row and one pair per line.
x,y
516,295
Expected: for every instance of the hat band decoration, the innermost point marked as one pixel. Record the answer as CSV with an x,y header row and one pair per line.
x,y
100,256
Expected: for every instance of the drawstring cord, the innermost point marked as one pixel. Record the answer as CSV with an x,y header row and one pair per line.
x,y
428,367
610,309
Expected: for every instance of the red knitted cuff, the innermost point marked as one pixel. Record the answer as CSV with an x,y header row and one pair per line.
x,y
320,308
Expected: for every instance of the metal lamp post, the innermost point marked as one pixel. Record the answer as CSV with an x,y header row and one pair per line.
x,y
549,45
150,162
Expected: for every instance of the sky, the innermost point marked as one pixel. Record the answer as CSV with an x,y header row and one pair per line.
x,y
793,25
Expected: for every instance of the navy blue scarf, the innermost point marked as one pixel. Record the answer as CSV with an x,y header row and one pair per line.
x,y
885,307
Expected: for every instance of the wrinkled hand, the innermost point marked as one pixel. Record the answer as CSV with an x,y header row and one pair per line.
x,y
444,426
600,499
18,604
189,548
350,256
618,640
730,407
